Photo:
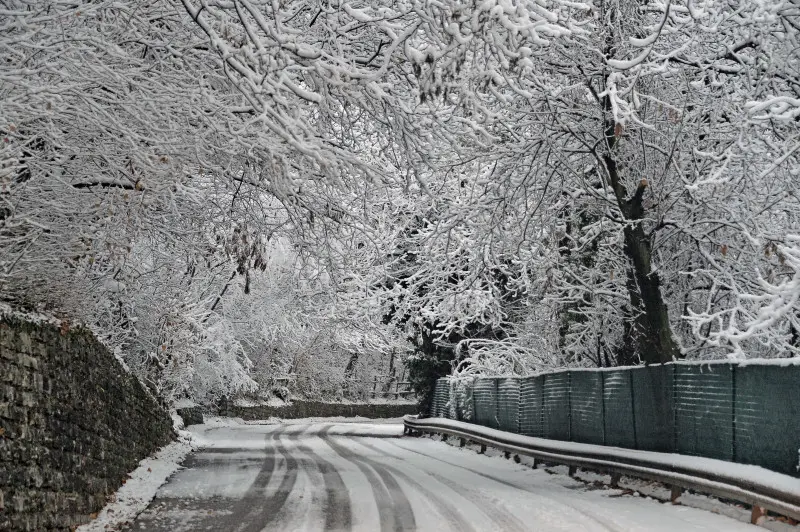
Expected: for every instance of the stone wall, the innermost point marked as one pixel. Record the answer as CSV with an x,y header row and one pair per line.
x,y
300,409
192,415
73,423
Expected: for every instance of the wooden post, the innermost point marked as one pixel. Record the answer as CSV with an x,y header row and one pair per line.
x,y
462,443
483,449
615,480
675,493
572,470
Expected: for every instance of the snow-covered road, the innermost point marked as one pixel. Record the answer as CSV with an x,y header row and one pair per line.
x,y
337,476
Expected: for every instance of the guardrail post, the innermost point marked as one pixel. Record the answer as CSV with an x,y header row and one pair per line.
x,y
757,513
675,493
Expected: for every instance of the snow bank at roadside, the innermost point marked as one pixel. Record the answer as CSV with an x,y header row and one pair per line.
x,y
217,421
141,486
331,419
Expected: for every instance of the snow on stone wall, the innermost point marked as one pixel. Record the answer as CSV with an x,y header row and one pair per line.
x,y
73,424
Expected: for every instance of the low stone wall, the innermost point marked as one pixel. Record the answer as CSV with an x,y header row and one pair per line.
x,y
191,415
73,423
300,409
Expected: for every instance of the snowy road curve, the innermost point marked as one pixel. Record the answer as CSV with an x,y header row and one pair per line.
x,y
328,476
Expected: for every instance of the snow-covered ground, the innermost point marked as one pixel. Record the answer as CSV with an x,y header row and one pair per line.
x,y
311,475
137,492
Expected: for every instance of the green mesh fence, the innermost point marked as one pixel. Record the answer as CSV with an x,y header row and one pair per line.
x,y
620,430
441,398
748,413
485,397
530,406
466,406
586,407
704,410
767,417
555,406
653,408
508,404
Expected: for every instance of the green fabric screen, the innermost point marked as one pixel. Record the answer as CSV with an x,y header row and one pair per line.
x,y
555,406
586,407
485,397
530,406
618,409
508,404
704,410
748,413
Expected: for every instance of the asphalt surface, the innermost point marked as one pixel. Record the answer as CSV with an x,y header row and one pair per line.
x,y
329,476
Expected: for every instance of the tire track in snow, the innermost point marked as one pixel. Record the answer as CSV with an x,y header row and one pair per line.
x,y
394,508
227,488
508,522
338,508
302,503
611,527
253,512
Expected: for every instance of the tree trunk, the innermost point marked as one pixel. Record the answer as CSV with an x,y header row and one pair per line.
x,y
652,332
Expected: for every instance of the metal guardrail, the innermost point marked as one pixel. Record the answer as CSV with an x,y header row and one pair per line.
x,y
746,488
744,412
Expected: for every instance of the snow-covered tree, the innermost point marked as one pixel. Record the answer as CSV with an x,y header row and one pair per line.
x,y
507,185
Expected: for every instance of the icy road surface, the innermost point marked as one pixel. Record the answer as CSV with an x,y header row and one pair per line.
x,y
329,476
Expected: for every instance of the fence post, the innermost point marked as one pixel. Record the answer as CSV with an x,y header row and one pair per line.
x,y
569,404
497,402
633,410
603,403
733,412
674,408
541,407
